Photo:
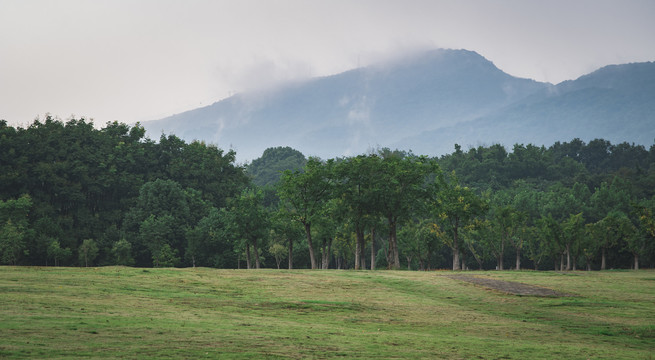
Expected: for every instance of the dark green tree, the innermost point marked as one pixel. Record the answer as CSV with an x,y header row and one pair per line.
x,y
303,194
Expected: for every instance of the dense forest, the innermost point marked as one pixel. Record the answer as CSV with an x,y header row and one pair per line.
x,y
75,195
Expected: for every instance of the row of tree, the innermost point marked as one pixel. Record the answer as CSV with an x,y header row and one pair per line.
x,y
71,194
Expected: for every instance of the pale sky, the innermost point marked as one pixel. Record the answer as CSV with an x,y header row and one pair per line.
x,y
137,60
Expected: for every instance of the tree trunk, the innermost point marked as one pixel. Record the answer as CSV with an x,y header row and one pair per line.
x,y
455,248
409,262
256,251
393,243
602,259
568,257
308,232
518,258
575,263
636,261
290,254
248,256
501,256
561,262
357,251
323,246
588,265
325,259
360,250
372,248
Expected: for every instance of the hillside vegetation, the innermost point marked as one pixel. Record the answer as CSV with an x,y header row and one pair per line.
x,y
110,196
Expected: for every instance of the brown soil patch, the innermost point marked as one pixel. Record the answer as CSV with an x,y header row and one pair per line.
x,y
509,287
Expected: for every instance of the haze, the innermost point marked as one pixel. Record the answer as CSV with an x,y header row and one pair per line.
x,y
140,60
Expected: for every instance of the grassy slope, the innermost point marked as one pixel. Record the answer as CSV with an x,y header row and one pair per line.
x,y
196,313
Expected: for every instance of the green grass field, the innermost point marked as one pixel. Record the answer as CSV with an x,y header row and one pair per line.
x,y
120,312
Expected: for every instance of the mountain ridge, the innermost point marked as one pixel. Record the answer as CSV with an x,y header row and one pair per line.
x,y
425,102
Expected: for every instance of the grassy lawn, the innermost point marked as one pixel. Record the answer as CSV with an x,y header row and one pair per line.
x,y
123,312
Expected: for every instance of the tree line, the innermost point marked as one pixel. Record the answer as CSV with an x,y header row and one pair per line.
x,y
71,194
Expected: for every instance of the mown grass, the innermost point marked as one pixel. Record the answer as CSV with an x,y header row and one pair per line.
x,y
123,312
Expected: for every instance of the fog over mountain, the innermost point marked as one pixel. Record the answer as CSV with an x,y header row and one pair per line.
x,y
426,103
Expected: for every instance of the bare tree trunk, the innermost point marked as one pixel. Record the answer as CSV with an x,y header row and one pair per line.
x,y
373,248
636,261
575,263
308,232
518,258
357,251
561,262
248,256
325,258
290,254
409,262
568,257
455,248
256,251
602,259
362,246
393,243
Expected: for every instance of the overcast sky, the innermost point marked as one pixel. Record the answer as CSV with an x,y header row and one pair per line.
x,y
137,60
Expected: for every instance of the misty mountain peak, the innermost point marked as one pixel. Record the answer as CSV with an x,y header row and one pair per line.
x,y
423,101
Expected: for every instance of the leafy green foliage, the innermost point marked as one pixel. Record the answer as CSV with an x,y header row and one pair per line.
x,y
267,169
64,183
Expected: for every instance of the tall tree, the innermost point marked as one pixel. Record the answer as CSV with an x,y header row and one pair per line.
x,y
304,194
399,186
88,252
285,229
574,231
357,189
249,221
14,229
456,206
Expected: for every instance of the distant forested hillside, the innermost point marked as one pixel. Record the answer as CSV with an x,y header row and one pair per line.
x,y
267,169
71,194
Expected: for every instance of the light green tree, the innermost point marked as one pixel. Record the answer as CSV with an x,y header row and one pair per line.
x,y
57,253
455,206
122,251
87,252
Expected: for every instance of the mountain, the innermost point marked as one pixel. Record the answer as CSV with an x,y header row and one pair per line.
x,y
426,103
616,103
351,112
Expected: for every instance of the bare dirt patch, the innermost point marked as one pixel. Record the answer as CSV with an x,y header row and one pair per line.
x,y
508,287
